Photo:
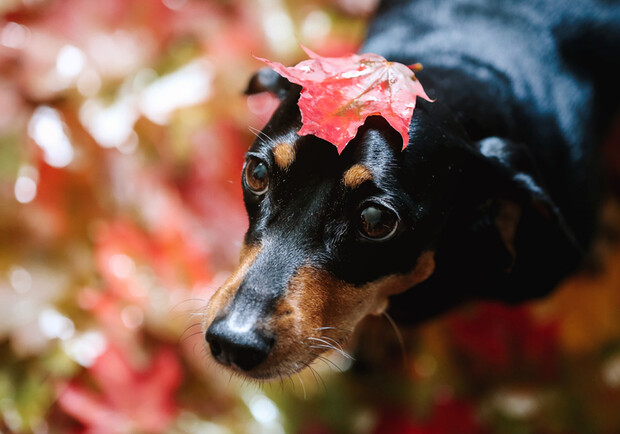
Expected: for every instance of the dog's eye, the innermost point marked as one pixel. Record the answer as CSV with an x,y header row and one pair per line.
x,y
377,223
256,175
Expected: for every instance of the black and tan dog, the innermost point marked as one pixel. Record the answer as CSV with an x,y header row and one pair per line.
x,y
495,197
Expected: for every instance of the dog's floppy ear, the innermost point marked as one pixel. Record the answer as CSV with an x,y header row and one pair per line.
x,y
516,228
506,240
268,80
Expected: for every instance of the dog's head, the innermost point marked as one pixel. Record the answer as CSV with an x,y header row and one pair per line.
x,y
332,237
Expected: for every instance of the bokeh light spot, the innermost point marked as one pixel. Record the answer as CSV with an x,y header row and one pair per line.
x,y
186,86
263,409
47,130
174,4
121,265
25,189
14,36
611,371
55,325
109,125
21,280
86,348
132,317
316,25
70,61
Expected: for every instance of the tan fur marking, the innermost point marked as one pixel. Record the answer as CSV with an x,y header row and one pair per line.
x,y
284,155
506,221
356,175
226,292
317,310
319,306
423,268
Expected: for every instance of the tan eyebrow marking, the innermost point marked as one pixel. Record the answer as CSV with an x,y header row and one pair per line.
x,y
284,155
356,175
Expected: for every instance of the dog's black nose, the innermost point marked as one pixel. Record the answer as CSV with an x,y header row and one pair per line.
x,y
243,348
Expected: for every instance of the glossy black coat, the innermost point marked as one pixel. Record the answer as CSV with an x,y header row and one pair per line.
x,y
524,91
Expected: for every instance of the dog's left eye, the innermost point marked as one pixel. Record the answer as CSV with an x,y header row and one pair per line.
x,y
377,222
256,175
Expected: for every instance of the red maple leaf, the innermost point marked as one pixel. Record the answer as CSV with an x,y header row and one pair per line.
x,y
339,93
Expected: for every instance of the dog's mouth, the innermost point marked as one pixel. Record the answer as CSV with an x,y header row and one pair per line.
x,y
301,327
264,336
263,359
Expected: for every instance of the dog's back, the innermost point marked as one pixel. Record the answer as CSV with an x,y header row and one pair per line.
x,y
541,73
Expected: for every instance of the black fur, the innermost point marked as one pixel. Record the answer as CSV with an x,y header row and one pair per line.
x,y
523,89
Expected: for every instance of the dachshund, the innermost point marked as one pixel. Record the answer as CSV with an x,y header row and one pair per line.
x,y
495,197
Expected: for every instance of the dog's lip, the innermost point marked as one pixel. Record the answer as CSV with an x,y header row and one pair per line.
x,y
264,373
275,369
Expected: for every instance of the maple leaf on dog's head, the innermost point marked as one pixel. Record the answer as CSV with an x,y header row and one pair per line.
x,y
339,93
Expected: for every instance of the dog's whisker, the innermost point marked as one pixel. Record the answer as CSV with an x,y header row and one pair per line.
x,y
334,341
318,339
329,362
266,136
254,131
186,315
292,382
327,347
324,339
311,370
181,339
260,134
331,347
333,328
196,312
399,336
186,301
191,335
316,375
303,386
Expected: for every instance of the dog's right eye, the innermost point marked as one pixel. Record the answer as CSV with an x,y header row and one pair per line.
x,y
256,175
377,223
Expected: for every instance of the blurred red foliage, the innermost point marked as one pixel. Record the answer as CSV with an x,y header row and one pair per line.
x,y
128,399
450,417
122,136
497,340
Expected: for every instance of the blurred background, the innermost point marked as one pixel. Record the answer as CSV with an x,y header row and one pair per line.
x,y
122,134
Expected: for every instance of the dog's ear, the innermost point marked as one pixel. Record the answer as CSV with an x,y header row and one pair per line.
x,y
506,240
516,229
268,80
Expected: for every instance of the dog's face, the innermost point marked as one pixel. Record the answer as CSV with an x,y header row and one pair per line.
x,y
330,238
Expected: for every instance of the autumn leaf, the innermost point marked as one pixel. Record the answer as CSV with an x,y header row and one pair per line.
x,y
339,93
